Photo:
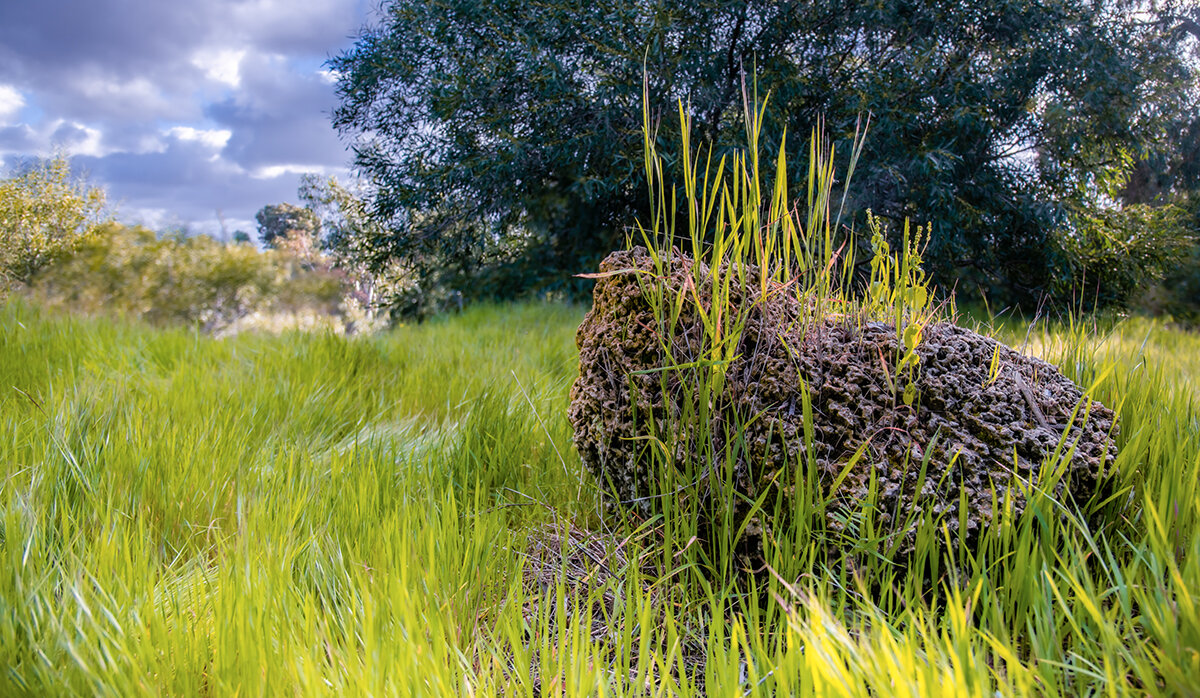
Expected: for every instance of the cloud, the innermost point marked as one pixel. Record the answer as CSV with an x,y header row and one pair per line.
x,y
313,27
279,118
185,184
78,139
56,38
222,65
70,137
212,138
178,107
18,139
95,96
11,102
274,171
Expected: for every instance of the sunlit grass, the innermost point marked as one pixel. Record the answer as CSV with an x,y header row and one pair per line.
x,y
315,515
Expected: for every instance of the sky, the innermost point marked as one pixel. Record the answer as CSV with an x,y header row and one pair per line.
x,y
187,112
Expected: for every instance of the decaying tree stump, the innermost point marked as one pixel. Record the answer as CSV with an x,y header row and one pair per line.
x,y
991,427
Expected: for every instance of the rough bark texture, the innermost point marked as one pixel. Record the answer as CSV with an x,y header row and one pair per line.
x,y
989,429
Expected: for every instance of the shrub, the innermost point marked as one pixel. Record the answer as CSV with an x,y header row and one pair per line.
x,y
180,279
45,212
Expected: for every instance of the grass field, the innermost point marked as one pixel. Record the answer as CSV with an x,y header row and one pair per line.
x,y
313,515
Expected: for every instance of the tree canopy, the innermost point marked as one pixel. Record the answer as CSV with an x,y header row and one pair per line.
x,y
278,222
504,142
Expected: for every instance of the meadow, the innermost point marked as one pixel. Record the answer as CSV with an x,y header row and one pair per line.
x,y
404,514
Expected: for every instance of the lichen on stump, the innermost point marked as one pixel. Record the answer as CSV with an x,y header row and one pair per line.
x,y
991,427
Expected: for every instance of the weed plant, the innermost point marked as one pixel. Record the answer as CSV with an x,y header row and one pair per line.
x,y
750,245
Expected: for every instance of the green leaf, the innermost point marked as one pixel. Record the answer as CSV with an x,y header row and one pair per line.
x,y
912,336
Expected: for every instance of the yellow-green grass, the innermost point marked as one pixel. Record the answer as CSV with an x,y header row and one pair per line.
x,y
308,514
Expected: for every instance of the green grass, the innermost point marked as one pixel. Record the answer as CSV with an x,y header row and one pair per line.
x,y
314,515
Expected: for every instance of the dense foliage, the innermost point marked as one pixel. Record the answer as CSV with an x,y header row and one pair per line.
x,y
504,138
412,286
280,222
184,279
45,211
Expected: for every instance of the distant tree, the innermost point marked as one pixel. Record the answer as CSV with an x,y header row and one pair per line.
x,y
278,222
344,216
241,237
45,211
506,136
408,286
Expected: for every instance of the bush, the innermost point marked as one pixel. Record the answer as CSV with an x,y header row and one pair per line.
x,y
1113,252
180,279
45,212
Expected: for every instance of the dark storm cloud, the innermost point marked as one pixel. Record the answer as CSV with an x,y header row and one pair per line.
x,y
179,106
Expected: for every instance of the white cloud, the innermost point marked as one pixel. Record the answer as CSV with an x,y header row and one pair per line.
x,y
137,89
127,100
273,171
74,138
213,138
11,102
223,65
153,218
80,139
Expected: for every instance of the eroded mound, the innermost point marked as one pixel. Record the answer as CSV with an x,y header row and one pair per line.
x,y
991,427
